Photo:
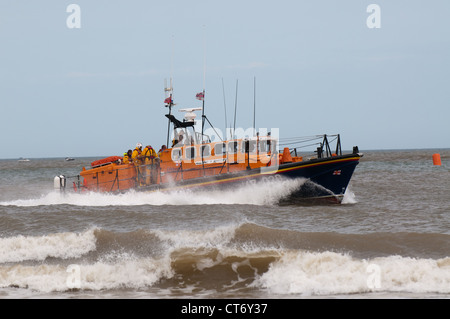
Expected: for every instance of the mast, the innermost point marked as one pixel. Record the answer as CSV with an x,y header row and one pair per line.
x,y
203,96
169,103
225,108
169,92
235,110
203,124
204,80
254,105
203,115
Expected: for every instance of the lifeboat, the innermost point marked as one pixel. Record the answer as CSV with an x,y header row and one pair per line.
x,y
194,160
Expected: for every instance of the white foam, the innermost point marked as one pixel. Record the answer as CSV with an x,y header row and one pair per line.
x,y
295,273
329,273
61,245
263,193
218,237
349,197
128,272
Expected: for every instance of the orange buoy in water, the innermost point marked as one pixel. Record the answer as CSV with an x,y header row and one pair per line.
x,y
287,158
436,159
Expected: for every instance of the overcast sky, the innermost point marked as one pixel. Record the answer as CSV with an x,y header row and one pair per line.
x,y
90,82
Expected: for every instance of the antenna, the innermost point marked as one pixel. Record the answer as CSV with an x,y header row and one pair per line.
x,y
235,108
203,97
168,90
254,105
204,80
171,59
204,58
225,108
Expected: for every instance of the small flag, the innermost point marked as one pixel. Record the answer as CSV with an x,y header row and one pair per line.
x,y
168,100
337,172
200,96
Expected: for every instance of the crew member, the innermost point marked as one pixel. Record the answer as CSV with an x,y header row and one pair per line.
x,y
125,159
148,153
149,157
180,137
178,141
137,161
163,148
137,151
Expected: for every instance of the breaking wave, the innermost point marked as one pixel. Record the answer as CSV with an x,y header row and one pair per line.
x,y
238,257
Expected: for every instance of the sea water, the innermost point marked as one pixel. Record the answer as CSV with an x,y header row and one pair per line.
x,y
390,238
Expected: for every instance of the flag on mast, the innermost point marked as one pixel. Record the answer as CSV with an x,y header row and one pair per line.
x,y
200,96
168,100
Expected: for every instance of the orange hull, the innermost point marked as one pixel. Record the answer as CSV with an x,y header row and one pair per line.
x,y
115,176
109,178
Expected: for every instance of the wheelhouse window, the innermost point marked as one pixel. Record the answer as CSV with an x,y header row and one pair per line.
x,y
266,146
251,147
190,152
233,147
206,150
219,149
176,154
